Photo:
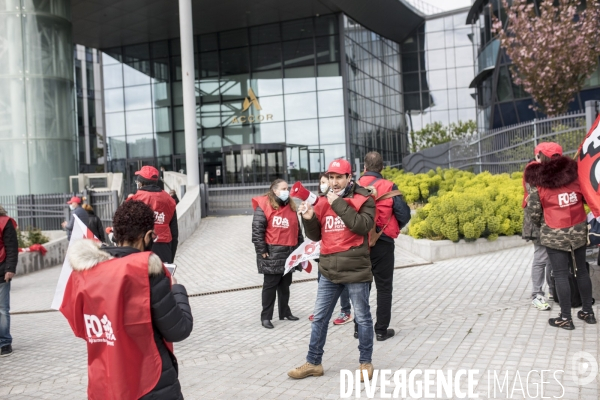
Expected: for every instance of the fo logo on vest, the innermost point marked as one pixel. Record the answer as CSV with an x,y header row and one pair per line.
x,y
99,330
334,224
567,199
159,218
279,222
336,164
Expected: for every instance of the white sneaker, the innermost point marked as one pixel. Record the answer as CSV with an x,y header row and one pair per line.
x,y
540,303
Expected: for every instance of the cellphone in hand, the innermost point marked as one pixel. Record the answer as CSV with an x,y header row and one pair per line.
x,y
171,268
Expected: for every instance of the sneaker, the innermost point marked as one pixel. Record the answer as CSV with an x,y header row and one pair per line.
x,y
385,336
307,369
343,318
6,351
366,367
587,317
561,323
540,303
311,318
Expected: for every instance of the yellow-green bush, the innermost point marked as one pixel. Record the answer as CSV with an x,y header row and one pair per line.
x,y
453,204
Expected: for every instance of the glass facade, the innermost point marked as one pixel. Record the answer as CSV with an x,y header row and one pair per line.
x,y
500,101
437,68
269,102
37,108
374,94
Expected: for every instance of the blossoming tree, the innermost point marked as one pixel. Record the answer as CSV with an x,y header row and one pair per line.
x,y
553,51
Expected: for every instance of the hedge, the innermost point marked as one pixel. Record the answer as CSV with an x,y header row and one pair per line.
x,y
453,204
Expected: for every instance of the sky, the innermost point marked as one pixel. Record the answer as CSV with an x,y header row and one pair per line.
x,y
449,4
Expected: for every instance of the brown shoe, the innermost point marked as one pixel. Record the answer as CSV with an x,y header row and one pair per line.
x,y
366,367
308,369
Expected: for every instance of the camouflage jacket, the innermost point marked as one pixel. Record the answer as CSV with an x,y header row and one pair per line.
x,y
530,230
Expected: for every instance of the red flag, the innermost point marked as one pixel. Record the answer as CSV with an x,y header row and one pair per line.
x,y
588,163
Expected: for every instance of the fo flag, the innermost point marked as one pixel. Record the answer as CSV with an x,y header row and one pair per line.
x,y
80,231
588,163
308,250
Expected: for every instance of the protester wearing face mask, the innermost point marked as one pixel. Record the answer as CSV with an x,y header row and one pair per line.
x,y
276,233
75,207
165,215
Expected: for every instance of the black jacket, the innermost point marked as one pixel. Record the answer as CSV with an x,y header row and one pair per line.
x,y
95,225
173,224
400,208
171,320
275,262
11,244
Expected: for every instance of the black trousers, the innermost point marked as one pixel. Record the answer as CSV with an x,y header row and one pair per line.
x,y
163,250
561,261
382,259
276,285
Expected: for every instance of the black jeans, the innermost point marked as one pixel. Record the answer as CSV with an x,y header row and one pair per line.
x,y
163,250
561,261
276,285
382,259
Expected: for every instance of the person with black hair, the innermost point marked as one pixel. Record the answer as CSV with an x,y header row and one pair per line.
x,y
129,309
95,223
165,214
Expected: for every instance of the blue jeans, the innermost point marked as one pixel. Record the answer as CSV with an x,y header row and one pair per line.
x,y
5,338
344,297
327,296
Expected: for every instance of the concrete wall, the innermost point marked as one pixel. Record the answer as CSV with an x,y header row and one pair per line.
x,y
174,180
34,261
188,213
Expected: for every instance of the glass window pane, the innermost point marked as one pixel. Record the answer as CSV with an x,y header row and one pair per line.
x,y
297,29
234,86
298,53
209,64
137,74
410,62
329,77
210,115
411,82
332,130
113,76
208,42
464,98
267,83
236,38
266,57
265,34
440,99
237,134
209,90
436,59
464,76
327,49
117,148
303,132
136,52
433,25
179,139
159,49
437,79
112,56
272,108
162,119
138,97
464,56
140,146
234,62
300,106
435,40
299,79
139,122
326,25
331,103
211,141
270,133
113,100
333,151
160,70
504,85
115,124
163,144
160,94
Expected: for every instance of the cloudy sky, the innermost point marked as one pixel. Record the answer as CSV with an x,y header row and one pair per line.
x,y
449,4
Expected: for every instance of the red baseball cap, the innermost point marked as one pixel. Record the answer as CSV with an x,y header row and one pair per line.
x,y
548,149
148,172
74,199
339,166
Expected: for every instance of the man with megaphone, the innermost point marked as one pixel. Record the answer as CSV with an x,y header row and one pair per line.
x,y
341,220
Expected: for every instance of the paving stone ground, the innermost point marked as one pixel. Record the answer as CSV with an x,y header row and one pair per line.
x,y
465,313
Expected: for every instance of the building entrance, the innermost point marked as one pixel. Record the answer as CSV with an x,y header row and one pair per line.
x,y
247,164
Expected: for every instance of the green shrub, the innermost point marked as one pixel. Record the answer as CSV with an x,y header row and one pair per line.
x,y
34,236
453,204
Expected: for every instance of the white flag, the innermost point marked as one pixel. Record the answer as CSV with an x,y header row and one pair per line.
x,y
80,231
308,250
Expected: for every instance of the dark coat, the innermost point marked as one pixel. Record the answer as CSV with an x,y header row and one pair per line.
x,y
83,216
353,265
275,262
11,244
95,225
554,174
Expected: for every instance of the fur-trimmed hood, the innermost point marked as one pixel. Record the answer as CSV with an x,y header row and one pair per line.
x,y
86,254
553,174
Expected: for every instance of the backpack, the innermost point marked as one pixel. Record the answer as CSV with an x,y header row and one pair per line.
x,y
373,234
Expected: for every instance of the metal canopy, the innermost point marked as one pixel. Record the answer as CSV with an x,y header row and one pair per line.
x,y
108,23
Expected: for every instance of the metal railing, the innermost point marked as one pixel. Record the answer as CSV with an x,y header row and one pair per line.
x,y
509,149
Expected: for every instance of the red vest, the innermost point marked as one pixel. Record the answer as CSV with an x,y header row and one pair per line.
x,y
282,224
163,206
109,307
3,222
563,207
385,208
335,236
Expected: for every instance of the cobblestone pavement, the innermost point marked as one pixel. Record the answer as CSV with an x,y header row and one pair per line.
x,y
465,313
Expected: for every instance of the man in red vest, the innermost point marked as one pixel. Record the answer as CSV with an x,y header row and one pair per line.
x,y
392,215
341,221
9,256
165,215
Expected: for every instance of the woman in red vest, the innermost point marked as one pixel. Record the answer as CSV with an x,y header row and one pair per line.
x,y
556,205
123,302
276,233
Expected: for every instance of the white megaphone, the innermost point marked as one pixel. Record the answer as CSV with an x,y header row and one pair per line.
x,y
300,192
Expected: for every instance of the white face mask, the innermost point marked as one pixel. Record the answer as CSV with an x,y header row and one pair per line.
x,y
72,207
284,195
324,187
